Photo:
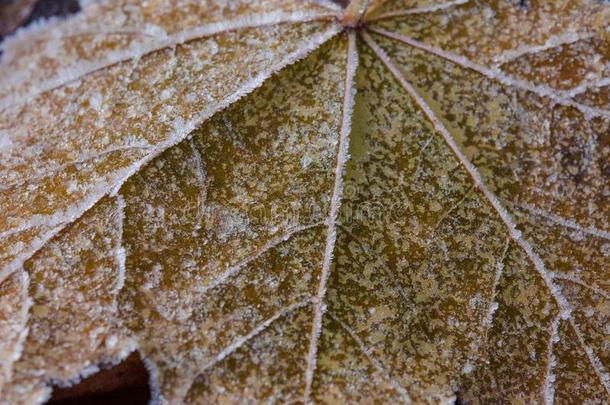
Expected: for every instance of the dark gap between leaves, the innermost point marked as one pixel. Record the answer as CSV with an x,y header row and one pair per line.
x,y
15,14
125,383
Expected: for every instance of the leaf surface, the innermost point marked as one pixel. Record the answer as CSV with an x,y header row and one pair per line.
x,y
95,136
414,212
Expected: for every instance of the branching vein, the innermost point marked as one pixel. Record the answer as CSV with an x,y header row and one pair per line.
x,y
449,211
553,42
586,86
120,253
564,306
371,358
342,156
233,270
566,223
576,280
242,340
493,305
79,161
72,73
180,133
417,10
496,74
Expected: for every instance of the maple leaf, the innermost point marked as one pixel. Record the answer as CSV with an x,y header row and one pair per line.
x,y
402,201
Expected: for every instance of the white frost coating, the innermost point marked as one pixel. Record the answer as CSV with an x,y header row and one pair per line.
x,y
418,10
85,3
233,270
120,254
31,30
95,101
56,223
200,172
375,362
36,221
342,157
6,144
467,368
576,280
551,42
329,5
568,223
557,96
153,381
239,342
51,171
6,364
74,72
201,176
587,85
564,306
73,213
493,305
548,388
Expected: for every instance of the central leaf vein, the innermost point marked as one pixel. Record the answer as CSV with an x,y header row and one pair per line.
x,y
342,156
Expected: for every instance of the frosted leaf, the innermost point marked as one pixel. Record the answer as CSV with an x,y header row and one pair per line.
x,y
73,328
49,55
231,216
403,259
415,210
90,150
493,31
14,306
539,160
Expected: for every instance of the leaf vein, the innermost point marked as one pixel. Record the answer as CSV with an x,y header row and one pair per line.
x,y
242,340
73,73
417,10
548,392
79,161
551,43
372,359
576,280
566,223
235,269
180,133
495,74
515,234
342,156
449,211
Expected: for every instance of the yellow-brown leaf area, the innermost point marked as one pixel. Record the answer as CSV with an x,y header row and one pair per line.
x,y
468,259
14,305
415,257
487,32
97,131
233,236
515,351
573,373
546,162
109,32
73,325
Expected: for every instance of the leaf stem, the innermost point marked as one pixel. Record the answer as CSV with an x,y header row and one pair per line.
x,y
352,17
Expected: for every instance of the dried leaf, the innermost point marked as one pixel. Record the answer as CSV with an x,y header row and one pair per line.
x,y
415,211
